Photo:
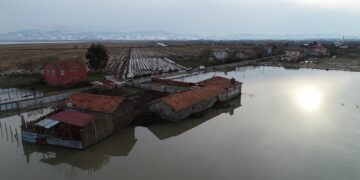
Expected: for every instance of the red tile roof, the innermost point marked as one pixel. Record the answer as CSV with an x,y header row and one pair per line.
x,y
67,64
219,82
92,102
73,117
209,88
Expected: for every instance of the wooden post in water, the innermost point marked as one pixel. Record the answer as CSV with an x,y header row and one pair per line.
x,y
17,95
7,137
16,137
2,136
11,134
16,134
23,121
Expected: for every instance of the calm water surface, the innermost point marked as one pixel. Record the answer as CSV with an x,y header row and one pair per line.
x,y
288,124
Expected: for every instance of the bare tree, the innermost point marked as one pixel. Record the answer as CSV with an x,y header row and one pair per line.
x,y
27,66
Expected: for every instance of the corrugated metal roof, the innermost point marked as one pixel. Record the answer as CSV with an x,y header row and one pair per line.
x,y
73,118
92,102
47,123
208,89
51,124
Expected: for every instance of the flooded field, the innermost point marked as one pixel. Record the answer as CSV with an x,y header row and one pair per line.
x,y
288,124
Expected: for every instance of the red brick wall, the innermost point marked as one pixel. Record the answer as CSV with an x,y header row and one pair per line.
x,y
53,77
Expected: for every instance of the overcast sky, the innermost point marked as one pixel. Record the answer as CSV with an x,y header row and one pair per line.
x,y
204,17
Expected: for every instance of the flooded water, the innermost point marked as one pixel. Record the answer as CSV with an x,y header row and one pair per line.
x,y
288,124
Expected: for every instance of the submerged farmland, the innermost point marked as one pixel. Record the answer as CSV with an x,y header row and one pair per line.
x,y
130,63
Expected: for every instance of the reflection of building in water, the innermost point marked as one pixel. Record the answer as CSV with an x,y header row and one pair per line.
x,y
91,159
168,130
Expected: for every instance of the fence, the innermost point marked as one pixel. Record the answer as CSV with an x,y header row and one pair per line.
x,y
37,102
6,91
173,82
13,94
31,112
141,80
8,106
153,87
32,103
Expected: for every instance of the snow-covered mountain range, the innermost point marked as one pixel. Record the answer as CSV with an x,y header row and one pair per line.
x,y
60,35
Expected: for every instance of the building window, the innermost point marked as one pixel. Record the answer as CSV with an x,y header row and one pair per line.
x,y
62,72
52,72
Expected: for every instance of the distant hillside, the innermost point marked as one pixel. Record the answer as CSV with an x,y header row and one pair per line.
x,y
59,35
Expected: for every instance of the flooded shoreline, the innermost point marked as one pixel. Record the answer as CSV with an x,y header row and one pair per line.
x,y
288,124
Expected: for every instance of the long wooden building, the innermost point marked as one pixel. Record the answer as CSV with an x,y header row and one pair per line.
x,y
181,105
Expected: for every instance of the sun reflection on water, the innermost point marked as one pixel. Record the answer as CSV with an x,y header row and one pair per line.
x,y
309,98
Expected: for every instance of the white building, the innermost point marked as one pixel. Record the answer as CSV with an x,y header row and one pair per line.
x,y
221,55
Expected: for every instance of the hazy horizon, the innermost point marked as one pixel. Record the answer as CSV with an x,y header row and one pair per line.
x,y
203,17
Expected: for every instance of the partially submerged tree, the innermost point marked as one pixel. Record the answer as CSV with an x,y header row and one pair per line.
x,y
97,56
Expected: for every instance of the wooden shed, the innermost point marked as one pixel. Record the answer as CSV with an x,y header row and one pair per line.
x,y
69,128
85,119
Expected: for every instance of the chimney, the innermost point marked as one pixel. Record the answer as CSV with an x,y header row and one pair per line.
x,y
232,80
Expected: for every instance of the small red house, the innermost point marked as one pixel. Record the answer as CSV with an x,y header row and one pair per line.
x,y
64,73
317,50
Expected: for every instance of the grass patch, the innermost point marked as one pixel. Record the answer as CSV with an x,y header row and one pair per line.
x,y
95,77
34,81
17,80
22,81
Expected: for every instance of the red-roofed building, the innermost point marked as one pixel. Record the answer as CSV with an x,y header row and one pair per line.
x,y
317,50
94,102
268,49
84,120
74,118
68,128
292,56
115,108
181,105
64,73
